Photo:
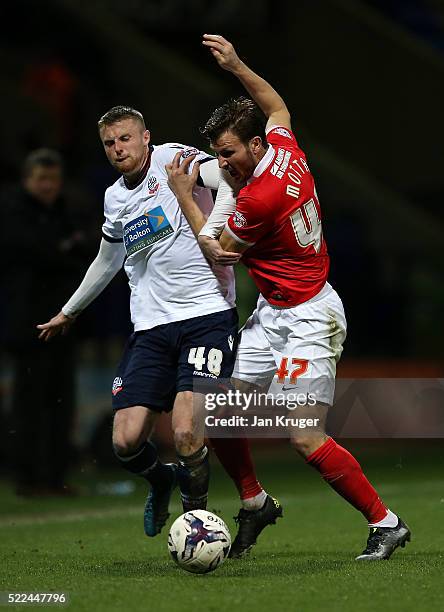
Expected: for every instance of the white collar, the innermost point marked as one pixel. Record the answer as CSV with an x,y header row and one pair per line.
x,y
263,164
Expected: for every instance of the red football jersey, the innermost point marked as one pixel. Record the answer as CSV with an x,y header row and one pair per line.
x,y
278,216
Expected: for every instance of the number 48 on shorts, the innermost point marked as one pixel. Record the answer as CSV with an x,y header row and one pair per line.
x,y
213,360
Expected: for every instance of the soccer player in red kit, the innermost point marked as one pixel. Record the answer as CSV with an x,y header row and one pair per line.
x,y
294,337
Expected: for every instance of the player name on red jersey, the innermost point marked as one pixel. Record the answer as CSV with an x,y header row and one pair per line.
x,y
278,215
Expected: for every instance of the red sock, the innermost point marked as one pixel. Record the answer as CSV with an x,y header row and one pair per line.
x,y
235,457
344,474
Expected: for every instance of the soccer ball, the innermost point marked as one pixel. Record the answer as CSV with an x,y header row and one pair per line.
x,y
199,541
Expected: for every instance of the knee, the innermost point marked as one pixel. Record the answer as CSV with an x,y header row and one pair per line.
x,y
306,445
125,441
186,441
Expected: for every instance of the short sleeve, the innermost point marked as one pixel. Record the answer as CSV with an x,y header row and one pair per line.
x,y
111,230
201,156
278,135
170,149
210,174
250,221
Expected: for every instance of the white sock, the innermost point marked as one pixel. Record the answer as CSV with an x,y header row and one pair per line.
x,y
391,520
254,503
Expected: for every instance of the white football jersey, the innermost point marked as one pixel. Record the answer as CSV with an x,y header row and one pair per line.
x,y
169,278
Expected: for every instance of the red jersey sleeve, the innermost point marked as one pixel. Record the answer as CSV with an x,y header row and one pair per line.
x,y
250,221
278,135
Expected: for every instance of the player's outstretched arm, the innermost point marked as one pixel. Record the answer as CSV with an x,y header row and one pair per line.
x,y
58,324
269,101
100,273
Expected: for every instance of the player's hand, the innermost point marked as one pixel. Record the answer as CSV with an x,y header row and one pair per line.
x,y
215,253
58,324
223,51
180,181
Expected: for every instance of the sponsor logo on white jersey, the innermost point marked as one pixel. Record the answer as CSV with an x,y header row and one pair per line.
x,y
145,230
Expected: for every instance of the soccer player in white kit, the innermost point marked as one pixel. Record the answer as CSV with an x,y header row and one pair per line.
x,y
183,310
296,332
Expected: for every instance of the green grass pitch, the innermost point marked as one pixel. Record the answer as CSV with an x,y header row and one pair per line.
x,y
93,547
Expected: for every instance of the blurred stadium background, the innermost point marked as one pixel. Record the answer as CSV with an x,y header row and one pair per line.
x,y
363,80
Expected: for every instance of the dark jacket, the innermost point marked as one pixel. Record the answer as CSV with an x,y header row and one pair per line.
x,y
44,259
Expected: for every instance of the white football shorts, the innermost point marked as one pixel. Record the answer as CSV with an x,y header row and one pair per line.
x,y
294,350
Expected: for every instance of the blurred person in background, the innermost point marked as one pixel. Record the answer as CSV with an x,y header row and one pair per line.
x,y
43,251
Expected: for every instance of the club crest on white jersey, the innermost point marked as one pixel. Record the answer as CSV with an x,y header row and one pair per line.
x,y
152,184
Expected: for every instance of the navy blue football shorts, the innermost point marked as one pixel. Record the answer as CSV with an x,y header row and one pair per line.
x,y
160,362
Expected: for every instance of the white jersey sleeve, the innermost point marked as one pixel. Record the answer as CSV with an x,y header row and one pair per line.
x,y
102,270
112,229
170,149
225,204
209,175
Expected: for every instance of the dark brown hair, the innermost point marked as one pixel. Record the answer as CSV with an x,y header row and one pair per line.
x,y
241,116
